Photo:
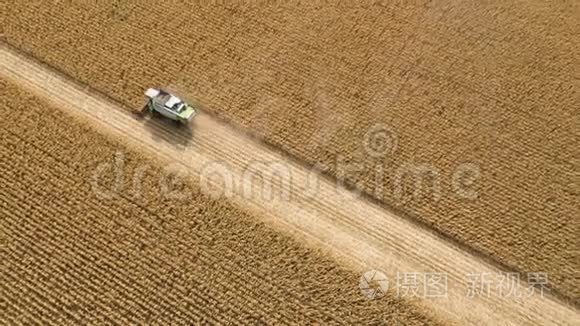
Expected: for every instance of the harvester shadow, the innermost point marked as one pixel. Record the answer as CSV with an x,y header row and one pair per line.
x,y
169,131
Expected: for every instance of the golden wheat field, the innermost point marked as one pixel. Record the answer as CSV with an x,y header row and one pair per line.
x,y
72,256
452,93
451,123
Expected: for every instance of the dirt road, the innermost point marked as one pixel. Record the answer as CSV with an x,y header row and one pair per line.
x,y
233,166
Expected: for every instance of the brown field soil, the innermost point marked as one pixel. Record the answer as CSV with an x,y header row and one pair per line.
x,y
70,256
354,231
490,85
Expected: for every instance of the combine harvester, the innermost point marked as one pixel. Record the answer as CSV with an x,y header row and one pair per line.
x,y
168,105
